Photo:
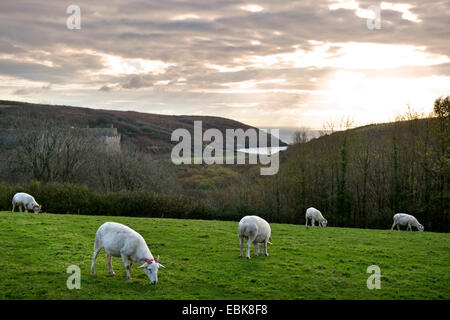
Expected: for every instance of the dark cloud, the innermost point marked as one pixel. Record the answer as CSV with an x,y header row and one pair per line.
x,y
8,48
106,88
136,82
32,91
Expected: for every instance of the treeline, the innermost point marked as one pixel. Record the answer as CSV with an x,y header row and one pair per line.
x,y
362,177
78,199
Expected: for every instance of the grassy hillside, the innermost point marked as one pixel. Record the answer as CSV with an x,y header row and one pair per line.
x,y
202,261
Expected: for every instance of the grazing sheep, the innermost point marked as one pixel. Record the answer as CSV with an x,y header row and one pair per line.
x,y
402,219
315,215
256,230
25,200
119,240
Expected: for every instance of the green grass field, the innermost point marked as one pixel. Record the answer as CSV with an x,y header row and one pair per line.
x,y
202,261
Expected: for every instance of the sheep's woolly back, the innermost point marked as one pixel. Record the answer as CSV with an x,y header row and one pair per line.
x,y
255,225
115,236
314,213
404,218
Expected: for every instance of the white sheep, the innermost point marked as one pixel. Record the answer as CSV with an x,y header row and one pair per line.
x,y
26,201
402,219
315,215
119,240
256,230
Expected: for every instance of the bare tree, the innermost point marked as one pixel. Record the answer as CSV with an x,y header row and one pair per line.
x,y
300,136
46,152
130,170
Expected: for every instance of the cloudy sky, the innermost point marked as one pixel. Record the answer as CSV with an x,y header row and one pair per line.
x,y
266,63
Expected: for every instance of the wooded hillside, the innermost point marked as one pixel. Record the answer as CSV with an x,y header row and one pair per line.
x,y
362,177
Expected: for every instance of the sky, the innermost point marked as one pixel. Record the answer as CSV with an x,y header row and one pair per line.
x,y
265,63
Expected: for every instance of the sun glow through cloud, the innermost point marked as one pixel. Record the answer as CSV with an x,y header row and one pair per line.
x,y
252,8
375,99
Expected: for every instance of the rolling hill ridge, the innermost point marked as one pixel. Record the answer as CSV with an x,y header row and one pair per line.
x,y
150,132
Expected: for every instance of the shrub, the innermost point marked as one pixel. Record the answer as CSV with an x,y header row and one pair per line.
x,y
78,199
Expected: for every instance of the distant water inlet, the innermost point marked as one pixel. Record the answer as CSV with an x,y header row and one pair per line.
x,y
262,150
210,147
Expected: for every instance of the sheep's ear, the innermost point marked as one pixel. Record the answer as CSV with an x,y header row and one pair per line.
x,y
161,266
143,266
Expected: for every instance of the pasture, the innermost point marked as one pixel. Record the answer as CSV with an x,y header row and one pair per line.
x,y
202,261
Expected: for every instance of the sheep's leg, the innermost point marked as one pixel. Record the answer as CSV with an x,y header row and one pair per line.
x,y
393,226
249,243
20,207
108,259
265,249
241,242
127,264
409,227
256,248
306,224
14,206
94,256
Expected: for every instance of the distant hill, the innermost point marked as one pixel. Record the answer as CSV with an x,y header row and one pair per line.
x,y
150,132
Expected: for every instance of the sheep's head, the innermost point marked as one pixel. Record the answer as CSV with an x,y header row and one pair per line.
x,y
37,208
324,223
151,267
421,228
